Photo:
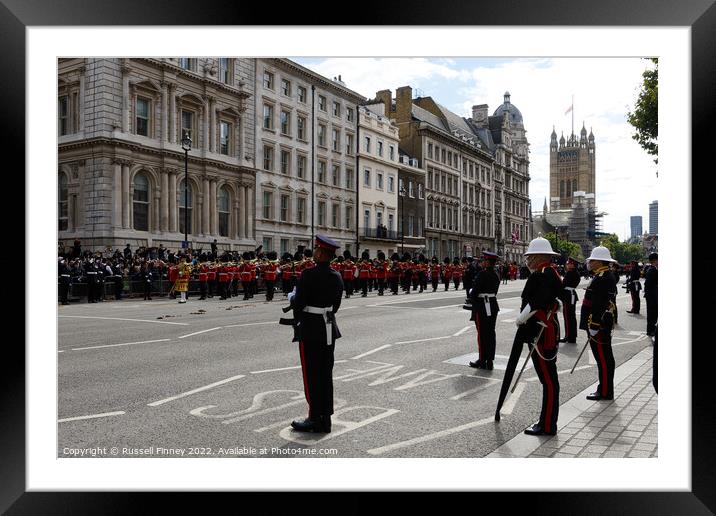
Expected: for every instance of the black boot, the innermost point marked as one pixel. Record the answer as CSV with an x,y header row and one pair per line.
x,y
309,425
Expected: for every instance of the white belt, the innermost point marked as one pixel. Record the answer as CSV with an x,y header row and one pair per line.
x,y
64,275
574,294
486,297
323,311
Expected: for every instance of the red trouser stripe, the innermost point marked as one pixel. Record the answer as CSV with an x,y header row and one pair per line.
x,y
550,396
479,342
603,362
305,381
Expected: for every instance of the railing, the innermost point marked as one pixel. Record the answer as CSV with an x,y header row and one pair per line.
x,y
380,233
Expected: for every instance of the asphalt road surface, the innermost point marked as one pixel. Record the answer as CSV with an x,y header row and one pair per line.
x,y
219,378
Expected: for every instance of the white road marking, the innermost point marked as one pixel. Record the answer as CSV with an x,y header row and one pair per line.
x,y
637,333
370,352
423,340
106,414
446,306
466,328
429,437
198,332
124,344
274,370
508,320
251,324
536,378
61,351
119,319
194,391
476,389
512,400
401,301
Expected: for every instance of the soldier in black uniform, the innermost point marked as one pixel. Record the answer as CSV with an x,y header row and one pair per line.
x,y
597,318
651,294
146,276
539,312
63,272
315,303
633,286
569,302
91,275
484,307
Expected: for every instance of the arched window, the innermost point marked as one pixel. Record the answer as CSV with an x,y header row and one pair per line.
x,y
62,203
561,188
569,188
223,199
185,210
574,186
141,202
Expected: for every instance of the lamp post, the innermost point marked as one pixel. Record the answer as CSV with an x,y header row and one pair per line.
x,y
402,220
186,145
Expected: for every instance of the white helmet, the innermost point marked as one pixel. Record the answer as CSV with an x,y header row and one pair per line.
x,y
540,246
601,254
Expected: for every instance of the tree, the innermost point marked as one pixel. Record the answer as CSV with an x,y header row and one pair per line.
x,y
645,117
564,247
622,252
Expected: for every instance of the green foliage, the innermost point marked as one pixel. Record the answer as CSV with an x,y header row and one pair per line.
x,y
645,117
622,252
565,247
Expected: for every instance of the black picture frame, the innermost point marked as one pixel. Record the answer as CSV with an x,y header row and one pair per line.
x,y
699,15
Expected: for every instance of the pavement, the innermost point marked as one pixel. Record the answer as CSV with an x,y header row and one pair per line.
x,y
623,427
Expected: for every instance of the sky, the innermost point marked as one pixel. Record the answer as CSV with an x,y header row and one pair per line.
x,y
604,90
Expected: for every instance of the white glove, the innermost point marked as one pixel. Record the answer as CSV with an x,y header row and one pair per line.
x,y
525,314
291,295
592,333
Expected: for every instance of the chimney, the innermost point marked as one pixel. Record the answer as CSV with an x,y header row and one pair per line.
x,y
404,103
479,115
386,97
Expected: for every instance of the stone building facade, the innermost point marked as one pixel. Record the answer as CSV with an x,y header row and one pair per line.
x,y
121,164
305,149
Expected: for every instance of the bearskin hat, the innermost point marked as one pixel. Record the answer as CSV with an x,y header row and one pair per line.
x,y
271,255
381,255
308,253
395,256
446,260
347,254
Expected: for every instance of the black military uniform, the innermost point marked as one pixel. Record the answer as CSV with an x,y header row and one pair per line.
x,y
597,318
146,276
651,294
540,294
118,282
91,275
63,272
483,296
317,299
633,286
569,303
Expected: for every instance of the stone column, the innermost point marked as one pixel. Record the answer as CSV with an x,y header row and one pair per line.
x,y
126,203
131,205
117,194
81,109
155,227
213,209
212,132
205,208
234,230
250,201
164,216
205,136
241,212
125,97
172,114
165,113
173,200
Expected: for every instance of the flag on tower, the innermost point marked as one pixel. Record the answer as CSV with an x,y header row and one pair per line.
x,y
569,109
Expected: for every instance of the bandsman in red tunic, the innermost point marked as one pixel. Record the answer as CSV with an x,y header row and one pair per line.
x,y
349,270
211,278
203,278
435,271
456,273
381,271
394,273
364,271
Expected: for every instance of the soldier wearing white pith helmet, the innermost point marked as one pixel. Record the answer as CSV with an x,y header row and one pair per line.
x,y
597,318
539,315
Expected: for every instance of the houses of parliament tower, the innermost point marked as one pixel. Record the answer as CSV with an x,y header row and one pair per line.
x,y
571,168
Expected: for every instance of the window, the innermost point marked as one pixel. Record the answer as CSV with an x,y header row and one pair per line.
x,y
336,175
321,135
141,203
187,63
285,122
224,144
401,183
349,144
561,189
225,70
284,246
142,117
454,185
366,178
349,178
349,114
336,109
442,182
301,128
411,192
321,213
268,244
430,150
349,216
430,178
223,208
574,185
443,218
187,124
449,158
421,194
421,221
268,80
321,171
391,184
285,162
449,185
300,210
268,116
392,153
488,177
302,94
63,110
284,208
301,166
321,102
285,87
449,219
379,180
442,155
380,149
185,208
366,219
367,143
411,225
378,219
336,140
62,203
391,222
335,215
268,197
268,158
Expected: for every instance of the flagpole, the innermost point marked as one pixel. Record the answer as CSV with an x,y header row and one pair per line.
x,y
572,114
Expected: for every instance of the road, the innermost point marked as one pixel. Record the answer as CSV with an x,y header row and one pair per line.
x,y
222,378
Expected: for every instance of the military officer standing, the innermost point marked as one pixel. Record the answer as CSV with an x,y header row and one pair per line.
x,y
597,318
651,294
569,302
315,303
64,275
633,286
484,306
539,316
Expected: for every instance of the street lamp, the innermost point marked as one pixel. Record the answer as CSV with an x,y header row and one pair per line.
x,y
402,220
186,145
